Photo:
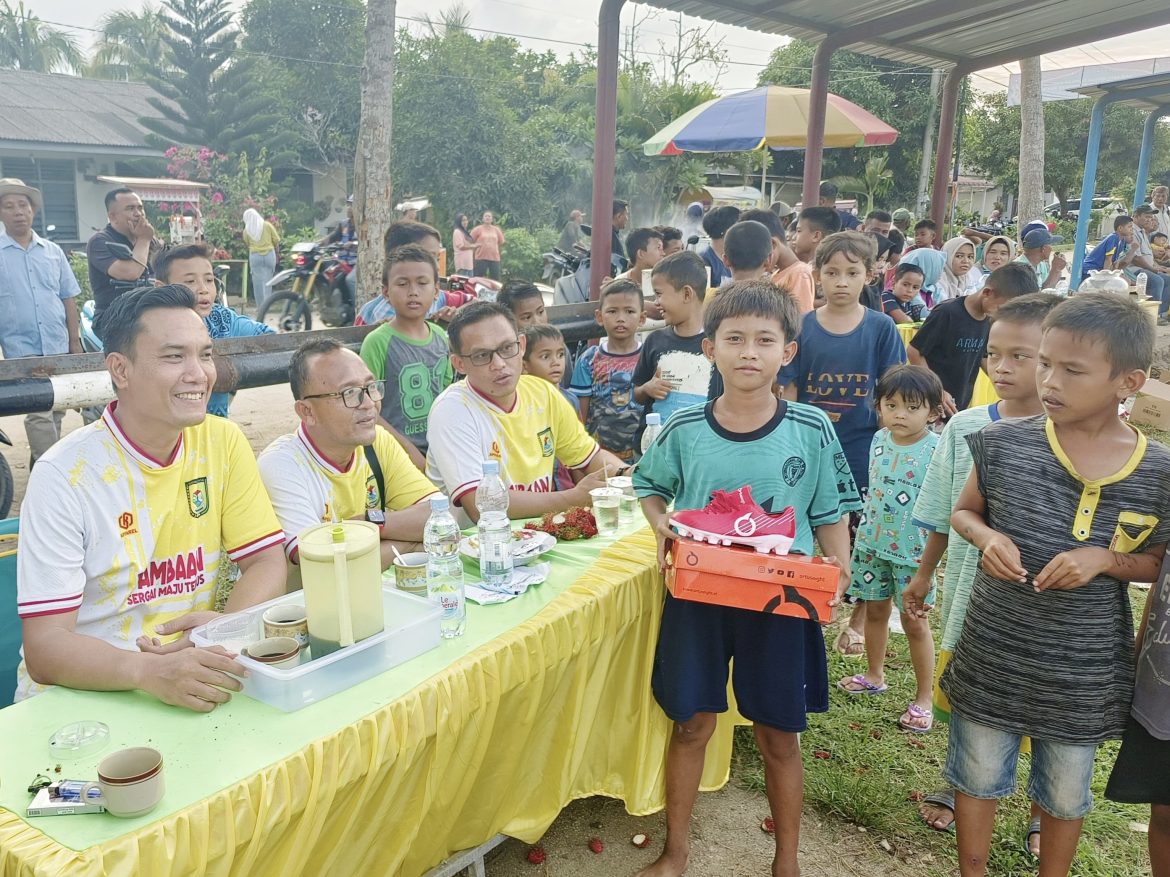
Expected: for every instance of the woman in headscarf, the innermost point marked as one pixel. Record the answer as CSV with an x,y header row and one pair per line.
x,y
464,245
997,252
263,252
932,263
957,278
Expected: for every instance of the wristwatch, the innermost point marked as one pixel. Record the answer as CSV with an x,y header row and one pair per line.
x,y
376,516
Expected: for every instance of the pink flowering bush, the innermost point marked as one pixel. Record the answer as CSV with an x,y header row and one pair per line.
x,y
236,183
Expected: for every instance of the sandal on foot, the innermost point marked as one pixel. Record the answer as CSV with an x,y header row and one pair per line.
x,y
850,644
916,720
862,685
945,798
1033,828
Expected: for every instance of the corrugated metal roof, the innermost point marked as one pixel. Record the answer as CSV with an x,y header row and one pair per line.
x,y
1146,92
938,33
70,110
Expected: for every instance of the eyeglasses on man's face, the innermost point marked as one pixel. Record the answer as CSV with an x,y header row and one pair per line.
x,y
504,351
351,397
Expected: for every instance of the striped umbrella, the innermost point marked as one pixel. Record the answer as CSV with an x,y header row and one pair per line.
x,y
773,116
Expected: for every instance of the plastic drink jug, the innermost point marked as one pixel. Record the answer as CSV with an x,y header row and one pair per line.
x,y
341,572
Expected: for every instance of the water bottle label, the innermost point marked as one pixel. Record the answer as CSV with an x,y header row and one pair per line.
x,y
451,603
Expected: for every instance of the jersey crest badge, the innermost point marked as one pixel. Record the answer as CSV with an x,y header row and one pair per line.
x,y
546,442
372,493
198,502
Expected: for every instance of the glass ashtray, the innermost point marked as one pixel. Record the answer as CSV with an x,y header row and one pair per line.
x,y
79,739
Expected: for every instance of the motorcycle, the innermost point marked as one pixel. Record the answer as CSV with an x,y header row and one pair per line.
x,y
573,285
316,280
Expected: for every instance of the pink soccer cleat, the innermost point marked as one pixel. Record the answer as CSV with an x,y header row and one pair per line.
x,y
735,518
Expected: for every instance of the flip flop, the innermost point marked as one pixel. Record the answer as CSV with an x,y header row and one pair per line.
x,y
915,713
945,799
853,646
1033,828
867,687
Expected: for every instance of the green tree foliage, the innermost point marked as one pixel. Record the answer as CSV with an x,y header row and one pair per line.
x,y
873,184
896,94
130,44
991,145
308,61
206,90
27,43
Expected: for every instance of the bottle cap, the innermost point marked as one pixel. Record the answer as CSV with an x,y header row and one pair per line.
x,y
440,503
491,467
653,419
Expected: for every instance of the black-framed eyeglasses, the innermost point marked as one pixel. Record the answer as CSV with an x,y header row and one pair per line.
x,y
351,397
504,351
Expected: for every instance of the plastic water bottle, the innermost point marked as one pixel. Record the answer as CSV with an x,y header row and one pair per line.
x,y
495,530
653,427
1061,288
445,568
1141,282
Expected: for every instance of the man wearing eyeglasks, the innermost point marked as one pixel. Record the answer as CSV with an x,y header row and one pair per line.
x,y
499,414
323,471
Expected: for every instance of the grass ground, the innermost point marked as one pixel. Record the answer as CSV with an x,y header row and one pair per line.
x,y
861,768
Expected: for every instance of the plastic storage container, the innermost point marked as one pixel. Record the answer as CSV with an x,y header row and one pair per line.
x,y
412,627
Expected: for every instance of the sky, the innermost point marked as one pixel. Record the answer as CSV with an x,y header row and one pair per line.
x,y
563,28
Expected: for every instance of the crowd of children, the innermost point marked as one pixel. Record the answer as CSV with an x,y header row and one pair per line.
x,y
797,357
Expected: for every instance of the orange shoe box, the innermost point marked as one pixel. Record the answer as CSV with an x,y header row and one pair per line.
x,y
792,584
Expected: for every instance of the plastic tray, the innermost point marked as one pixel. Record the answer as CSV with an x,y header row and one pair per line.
x,y
412,627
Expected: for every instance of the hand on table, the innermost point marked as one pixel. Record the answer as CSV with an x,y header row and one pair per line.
x,y
193,678
183,624
1072,569
592,481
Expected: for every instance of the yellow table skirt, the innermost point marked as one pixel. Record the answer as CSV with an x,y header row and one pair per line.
x,y
556,709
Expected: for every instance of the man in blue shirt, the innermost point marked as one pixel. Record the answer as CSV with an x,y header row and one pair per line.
x,y
828,198
1114,252
716,224
37,290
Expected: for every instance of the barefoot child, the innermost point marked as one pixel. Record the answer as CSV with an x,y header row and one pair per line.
x,y
888,542
779,673
1012,347
1065,509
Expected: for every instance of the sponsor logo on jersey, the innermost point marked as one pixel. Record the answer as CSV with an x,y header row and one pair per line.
x,y
546,442
198,501
181,574
494,453
126,525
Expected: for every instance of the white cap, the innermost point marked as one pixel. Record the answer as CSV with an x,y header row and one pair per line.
x,y
440,503
491,467
653,419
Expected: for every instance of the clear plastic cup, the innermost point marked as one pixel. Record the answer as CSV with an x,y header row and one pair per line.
x,y
628,503
606,509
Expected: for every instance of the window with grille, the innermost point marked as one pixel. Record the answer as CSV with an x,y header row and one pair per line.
x,y
57,180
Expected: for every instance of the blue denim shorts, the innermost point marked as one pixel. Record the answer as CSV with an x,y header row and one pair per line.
x,y
981,762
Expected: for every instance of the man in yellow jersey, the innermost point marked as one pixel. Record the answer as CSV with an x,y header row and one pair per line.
x,y
520,420
323,471
127,521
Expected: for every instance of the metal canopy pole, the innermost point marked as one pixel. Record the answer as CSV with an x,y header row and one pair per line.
x,y
1088,186
1143,171
946,144
605,143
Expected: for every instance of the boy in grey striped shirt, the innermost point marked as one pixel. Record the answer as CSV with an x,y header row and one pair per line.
x,y
1066,509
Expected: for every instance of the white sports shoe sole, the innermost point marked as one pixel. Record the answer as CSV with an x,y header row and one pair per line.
x,y
762,544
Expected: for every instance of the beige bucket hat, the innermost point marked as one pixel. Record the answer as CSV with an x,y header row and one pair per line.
x,y
13,186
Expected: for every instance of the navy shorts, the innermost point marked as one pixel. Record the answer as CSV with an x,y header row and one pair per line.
x,y
778,676
1141,774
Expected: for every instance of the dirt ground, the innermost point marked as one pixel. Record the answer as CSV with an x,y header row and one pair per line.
x,y
726,840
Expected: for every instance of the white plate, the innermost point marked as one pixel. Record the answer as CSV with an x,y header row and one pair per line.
x,y
527,545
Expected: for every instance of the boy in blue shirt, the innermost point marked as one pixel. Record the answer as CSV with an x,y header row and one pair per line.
x,y
1111,253
739,440
843,349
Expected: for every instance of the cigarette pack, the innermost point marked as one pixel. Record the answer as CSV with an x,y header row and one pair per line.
x,y
44,804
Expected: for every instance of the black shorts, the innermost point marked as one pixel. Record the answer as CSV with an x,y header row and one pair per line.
x,y
1141,774
778,676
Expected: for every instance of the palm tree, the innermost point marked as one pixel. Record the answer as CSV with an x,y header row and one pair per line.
x,y
129,43
26,43
874,182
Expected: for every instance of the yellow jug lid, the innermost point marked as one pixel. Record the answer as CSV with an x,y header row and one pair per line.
x,y
317,542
